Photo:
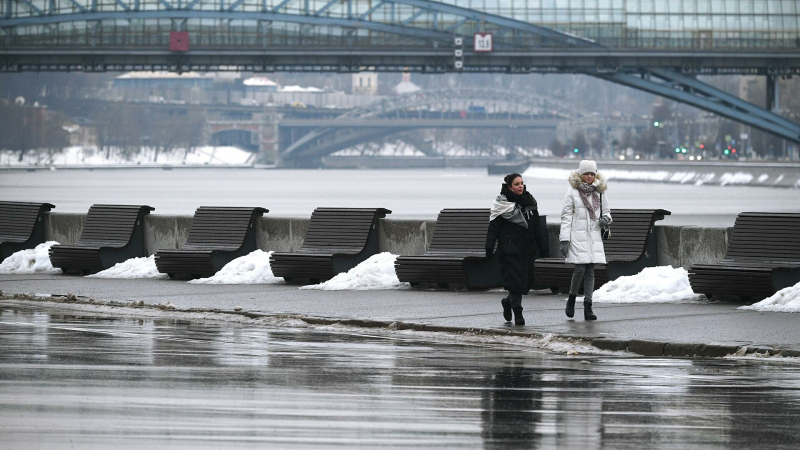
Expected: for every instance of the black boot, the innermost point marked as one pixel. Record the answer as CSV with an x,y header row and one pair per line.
x,y
518,319
588,314
506,309
570,306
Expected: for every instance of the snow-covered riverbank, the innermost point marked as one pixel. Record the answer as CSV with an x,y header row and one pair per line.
x,y
90,157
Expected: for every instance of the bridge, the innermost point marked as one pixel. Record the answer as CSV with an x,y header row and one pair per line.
x,y
655,46
426,109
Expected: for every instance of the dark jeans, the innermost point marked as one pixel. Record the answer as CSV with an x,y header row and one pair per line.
x,y
583,273
515,298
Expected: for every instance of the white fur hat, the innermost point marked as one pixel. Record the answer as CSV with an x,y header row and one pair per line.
x,y
587,165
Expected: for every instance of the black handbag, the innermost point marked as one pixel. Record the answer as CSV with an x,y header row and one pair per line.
x,y
605,232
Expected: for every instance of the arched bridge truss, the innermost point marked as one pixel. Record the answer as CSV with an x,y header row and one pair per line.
x,y
381,118
356,35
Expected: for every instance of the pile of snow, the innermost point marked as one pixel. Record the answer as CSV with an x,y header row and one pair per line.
x,y
785,300
664,176
36,260
91,156
259,81
296,88
252,268
663,284
144,267
377,272
546,173
735,178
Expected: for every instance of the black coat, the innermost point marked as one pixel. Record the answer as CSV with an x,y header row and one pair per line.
x,y
517,248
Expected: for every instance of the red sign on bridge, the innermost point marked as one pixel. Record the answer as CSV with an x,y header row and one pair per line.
x,y
179,41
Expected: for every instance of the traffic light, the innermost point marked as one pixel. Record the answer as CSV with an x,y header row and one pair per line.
x,y
575,150
656,123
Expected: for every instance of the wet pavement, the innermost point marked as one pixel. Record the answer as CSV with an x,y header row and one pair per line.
x,y
72,379
698,322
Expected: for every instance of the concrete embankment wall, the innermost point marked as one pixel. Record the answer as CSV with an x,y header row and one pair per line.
x,y
677,246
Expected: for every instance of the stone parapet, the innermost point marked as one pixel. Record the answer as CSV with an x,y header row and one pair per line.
x,y
678,246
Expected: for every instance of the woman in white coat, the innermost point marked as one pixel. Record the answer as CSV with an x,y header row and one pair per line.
x,y
581,221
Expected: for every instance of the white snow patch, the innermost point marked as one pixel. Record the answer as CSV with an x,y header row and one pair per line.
x,y
662,284
377,272
296,88
682,177
35,260
92,156
763,177
735,178
252,268
703,179
785,300
545,173
144,267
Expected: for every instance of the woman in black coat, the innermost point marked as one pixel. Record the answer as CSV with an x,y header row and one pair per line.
x,y
514,224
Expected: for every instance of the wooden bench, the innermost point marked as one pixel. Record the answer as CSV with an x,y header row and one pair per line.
x,y
21,226
456,256
763,257
631,248
110,235
218,235
337,240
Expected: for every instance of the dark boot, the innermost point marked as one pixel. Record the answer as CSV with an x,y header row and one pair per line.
x,y
588,314
518,319
571,306
506,309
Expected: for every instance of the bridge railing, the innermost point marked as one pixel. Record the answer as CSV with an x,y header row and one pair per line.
x,y
247,34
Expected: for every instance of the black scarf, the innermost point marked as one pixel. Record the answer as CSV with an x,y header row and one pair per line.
x,y
523,200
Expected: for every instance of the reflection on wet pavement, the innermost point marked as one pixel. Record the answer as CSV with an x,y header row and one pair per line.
x,y
79,380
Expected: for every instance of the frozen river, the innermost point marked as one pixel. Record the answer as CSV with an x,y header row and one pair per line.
x,y
408,193
72,379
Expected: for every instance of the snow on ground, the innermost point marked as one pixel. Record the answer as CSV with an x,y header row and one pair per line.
x,y
735,178
663,284
91,156
684,177
377,272
785,300
144,267
547,173
35,260
252,268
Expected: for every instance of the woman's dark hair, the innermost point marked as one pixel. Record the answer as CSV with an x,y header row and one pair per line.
x,y
510,178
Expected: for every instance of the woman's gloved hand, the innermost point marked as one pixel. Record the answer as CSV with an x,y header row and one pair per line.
x,y
489,252
604,221
564,248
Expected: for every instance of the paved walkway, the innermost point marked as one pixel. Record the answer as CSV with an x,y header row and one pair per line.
x,y
708,329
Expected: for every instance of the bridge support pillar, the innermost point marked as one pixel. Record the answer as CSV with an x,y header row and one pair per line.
x,y
772,93
268,136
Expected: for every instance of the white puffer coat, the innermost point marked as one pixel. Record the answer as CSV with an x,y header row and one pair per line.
x,y
577,227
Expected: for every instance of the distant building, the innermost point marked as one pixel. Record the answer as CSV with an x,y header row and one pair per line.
x,y
171,87
406,86
365,83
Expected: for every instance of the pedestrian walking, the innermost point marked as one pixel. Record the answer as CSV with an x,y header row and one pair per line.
x,y
580,237
515,227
